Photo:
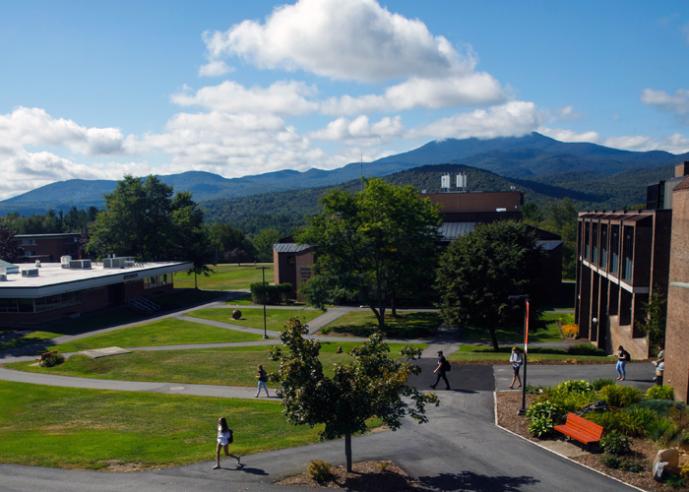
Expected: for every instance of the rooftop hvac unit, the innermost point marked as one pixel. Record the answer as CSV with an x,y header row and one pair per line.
x,y
3,277
30,272
65,261
118,262
462,181
80,264
445,182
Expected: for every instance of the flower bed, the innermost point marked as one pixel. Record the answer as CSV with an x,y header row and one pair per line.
x,y
636,426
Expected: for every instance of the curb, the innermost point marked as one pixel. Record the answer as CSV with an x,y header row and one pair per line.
x,y
495,413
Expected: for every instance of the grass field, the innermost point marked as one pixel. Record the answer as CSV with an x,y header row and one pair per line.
x,y
408,324
544,330
69,427
253,317
168,331
226,277
485,353
231,366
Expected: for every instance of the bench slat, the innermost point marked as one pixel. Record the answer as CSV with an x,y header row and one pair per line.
x,y
580,429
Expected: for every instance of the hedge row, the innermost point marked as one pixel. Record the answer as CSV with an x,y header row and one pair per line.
x,y
270,294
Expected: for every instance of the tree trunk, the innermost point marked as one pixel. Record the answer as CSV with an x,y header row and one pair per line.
x,y
494,338
196,281
348,452
393,305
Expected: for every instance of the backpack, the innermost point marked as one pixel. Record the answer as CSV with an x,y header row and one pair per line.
x,y
447,366
627,356
230,437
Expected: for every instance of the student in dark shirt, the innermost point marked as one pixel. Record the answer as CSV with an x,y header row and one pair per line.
x,y
620,367
441,371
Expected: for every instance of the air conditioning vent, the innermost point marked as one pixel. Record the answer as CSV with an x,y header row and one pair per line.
x,y
30,272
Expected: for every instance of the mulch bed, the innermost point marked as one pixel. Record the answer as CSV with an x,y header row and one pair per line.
x,y
508,403
367,476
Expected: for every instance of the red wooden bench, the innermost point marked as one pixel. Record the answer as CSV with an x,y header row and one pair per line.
x,y
580,429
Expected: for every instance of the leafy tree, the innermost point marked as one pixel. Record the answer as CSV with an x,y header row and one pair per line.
x,y
136,221
9,250
371,385
229,244
263,243
377,243
653,323
190,241
482,269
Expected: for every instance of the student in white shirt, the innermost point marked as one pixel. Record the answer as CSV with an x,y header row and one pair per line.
x,y
224,439
516,360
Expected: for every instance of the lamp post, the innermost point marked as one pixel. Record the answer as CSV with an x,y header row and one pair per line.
x,y
527,306
265,324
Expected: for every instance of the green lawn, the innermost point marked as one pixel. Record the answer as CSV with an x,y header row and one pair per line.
x,y
69,427
544,330
229,366
226,277
253,317
168,331
485,353
408,324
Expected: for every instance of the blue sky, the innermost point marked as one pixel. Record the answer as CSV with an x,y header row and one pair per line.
x,y
100,89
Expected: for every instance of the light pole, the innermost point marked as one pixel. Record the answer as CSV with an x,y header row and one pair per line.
x,y
527,306
265,327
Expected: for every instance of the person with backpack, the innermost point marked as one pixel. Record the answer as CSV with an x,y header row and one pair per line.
x,y
262,381
621,366
441,370
517,361
224,439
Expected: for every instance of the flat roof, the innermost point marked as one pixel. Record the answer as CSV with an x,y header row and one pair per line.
x,y
52,279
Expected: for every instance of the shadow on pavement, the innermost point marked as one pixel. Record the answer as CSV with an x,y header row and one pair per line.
x,y
475,481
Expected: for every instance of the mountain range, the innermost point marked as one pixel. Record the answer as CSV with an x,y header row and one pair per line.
x,y
603,175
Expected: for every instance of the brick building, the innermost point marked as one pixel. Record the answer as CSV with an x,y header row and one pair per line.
x,y
622,258
32,295
48,247
292,264
677,328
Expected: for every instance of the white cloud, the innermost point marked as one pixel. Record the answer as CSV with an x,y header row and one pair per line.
x,y
360,128
675,143
341,39
510,119
282,97
677,103
565,135
35,127
468,89
214,68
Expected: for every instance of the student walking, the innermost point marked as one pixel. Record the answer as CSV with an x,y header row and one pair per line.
x,y
262,381
517,361
660,368
225,438
621,366
441,371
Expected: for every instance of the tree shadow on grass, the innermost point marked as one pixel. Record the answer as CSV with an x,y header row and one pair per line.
x,y
474,481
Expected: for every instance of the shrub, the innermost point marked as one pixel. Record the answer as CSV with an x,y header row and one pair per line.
x,y
617,396
51,358
543,416
411,352
270,294
632,422
585,349
612,461
615,443
660,393
684,471
319,471
631,465
572,395
599,384
663,430
570,330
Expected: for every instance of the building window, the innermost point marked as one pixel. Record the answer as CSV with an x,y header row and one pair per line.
x,y
587,241
628,252
16,305
28,242
594,243
615,249
157,281
51,303
603,246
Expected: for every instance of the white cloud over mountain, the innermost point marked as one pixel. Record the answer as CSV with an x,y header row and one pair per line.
x,y
677,103
344,40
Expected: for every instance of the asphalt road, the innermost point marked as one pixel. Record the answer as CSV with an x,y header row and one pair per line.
x,y
460,449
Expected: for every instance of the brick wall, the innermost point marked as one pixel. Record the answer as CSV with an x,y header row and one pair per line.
x,y
677,331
